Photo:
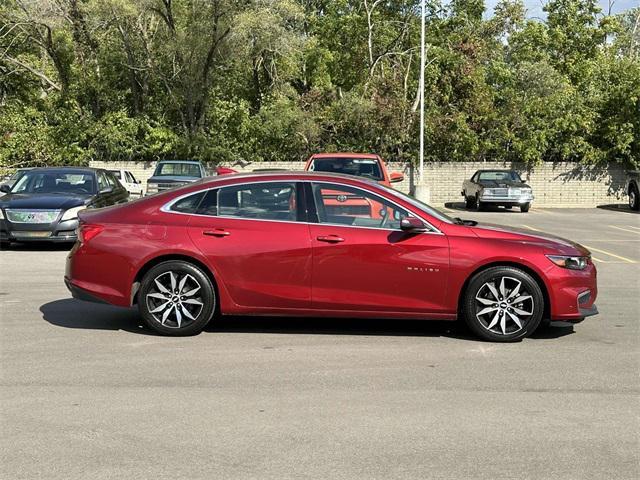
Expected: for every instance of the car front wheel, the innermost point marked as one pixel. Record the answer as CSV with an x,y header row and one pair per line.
x,y
503,304
634,198
524,208
176,298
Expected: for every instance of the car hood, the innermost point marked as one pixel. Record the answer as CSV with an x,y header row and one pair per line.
x,y
172,179
502,184
43,201
551,243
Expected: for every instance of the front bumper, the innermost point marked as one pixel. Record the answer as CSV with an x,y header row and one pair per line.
x,y
573,293
60,232
507,199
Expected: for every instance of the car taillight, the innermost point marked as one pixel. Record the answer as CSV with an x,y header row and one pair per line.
x,y
87,232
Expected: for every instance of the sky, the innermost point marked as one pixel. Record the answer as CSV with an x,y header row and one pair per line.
x,y
534,7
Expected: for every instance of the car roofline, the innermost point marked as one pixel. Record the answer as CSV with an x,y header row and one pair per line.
x,y
344,155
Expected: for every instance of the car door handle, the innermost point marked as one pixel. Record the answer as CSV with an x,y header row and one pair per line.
x,y
330,238
218,232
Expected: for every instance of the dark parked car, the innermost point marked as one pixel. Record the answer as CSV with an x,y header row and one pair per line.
x,y
174,173
267,244
633,190
44,203
497,187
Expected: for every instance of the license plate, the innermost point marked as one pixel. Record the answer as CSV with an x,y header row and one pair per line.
x,y
31,234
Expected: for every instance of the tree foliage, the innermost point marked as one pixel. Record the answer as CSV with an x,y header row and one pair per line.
x,y
263,80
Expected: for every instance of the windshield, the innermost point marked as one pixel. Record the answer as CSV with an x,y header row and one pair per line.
x,y
177,169
116,173
55,182
510,176
428,209
360,167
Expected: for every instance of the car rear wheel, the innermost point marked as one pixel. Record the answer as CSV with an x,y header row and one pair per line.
x,y
176,298
524,208
503,304
634,198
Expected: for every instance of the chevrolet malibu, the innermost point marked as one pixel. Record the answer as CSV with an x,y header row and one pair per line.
x,y
267,244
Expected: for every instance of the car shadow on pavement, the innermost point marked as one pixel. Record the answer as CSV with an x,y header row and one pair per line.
x,y
38,247
72,313
618,207
460,206
366,327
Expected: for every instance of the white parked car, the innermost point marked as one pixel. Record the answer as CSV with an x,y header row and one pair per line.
x,y
128,181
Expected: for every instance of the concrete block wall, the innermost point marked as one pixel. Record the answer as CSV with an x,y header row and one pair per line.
x,y
554,184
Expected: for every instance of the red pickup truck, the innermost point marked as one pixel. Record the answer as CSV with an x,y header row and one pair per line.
x,y
366,165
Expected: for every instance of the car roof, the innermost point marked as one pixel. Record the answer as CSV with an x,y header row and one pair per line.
x,y
287,176
344,155
495,170
65,169
189,162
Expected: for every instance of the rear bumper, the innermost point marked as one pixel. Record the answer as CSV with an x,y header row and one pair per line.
x,y
82,294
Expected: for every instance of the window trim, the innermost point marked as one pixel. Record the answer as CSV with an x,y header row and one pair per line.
x,y
166,207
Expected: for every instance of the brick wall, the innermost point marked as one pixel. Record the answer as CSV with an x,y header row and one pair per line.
x,y
554,185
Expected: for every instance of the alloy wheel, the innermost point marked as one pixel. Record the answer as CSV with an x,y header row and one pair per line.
x,y
175,299
503,306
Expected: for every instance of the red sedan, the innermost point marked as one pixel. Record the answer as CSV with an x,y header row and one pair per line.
x,y
265,244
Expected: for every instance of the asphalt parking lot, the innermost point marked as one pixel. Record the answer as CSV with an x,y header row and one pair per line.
x,y
87,393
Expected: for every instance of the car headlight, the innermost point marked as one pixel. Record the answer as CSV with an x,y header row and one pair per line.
x,y
1,214
152,188
72,213
570,262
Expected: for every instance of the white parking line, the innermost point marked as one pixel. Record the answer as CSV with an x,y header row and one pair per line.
x,y
628,260
531,228
625,229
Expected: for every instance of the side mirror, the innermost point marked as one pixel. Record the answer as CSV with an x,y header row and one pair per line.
x,y
139,182
523,181
5,188
412,224
106,190
396,177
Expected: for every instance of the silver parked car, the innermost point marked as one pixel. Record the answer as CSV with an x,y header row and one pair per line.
x,y
497,187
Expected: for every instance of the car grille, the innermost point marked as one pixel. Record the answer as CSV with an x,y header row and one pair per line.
x,y
32,216
496,192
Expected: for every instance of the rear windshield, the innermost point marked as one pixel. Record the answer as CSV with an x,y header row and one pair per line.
x,y
55,182
177,170
360,167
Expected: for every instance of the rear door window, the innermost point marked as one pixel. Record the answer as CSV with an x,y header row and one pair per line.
x,y
258,201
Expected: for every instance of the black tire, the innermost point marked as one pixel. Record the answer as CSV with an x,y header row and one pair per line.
x,y
524,208
470,203
634,198
197,288
482,206
484,325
